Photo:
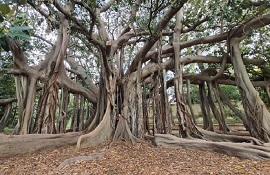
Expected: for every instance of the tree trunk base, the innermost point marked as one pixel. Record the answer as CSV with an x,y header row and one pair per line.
x,y
122,132
100,134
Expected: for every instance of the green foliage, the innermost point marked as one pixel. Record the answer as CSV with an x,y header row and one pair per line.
x,y
231,92
4,9
194,93
12,25
7,87
263,96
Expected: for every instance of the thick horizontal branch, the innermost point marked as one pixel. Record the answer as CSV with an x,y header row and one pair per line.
x,y
4,102
205,40
15,72
76,88
262,84
237,31
83,75
253,24
151,67
225,80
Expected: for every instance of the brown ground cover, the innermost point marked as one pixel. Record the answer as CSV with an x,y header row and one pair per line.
x,y
125,158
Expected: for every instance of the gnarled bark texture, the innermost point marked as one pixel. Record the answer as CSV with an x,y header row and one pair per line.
x,y
24,144
243,150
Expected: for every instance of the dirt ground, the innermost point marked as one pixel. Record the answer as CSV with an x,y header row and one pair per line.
x,y
138,159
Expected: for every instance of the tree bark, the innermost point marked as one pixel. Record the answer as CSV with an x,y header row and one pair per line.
x,y
256,112
243,150
31,143
217,114
75,116
63,110
178,79
189,101
28,110
207,120
186,126
139,115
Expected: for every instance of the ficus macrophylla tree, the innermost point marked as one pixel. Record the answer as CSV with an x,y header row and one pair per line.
x,y
130,46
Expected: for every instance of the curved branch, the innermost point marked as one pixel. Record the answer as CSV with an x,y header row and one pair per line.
x,y
82,74
237,31
77,88
222,68
107,6
253,24
92,14
43,39
195,25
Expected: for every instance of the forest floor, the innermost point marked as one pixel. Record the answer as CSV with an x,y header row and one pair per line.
x,y
125,158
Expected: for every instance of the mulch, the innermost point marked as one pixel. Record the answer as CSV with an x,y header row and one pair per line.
x,y
138,159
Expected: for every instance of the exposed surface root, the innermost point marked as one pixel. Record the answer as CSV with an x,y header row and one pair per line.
x,y
212,136
32,143
78,159
243,150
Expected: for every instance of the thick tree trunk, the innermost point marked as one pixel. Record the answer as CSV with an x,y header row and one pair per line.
x,y
178,80
186,126
131,103
102,133
139,115
104,130
207,120
49,101
27,112
257,115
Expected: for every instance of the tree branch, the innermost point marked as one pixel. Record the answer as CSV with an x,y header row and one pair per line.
x,y
4,102
106,6
156,35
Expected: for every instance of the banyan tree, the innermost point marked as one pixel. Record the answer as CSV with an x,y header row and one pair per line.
x,y
106,65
